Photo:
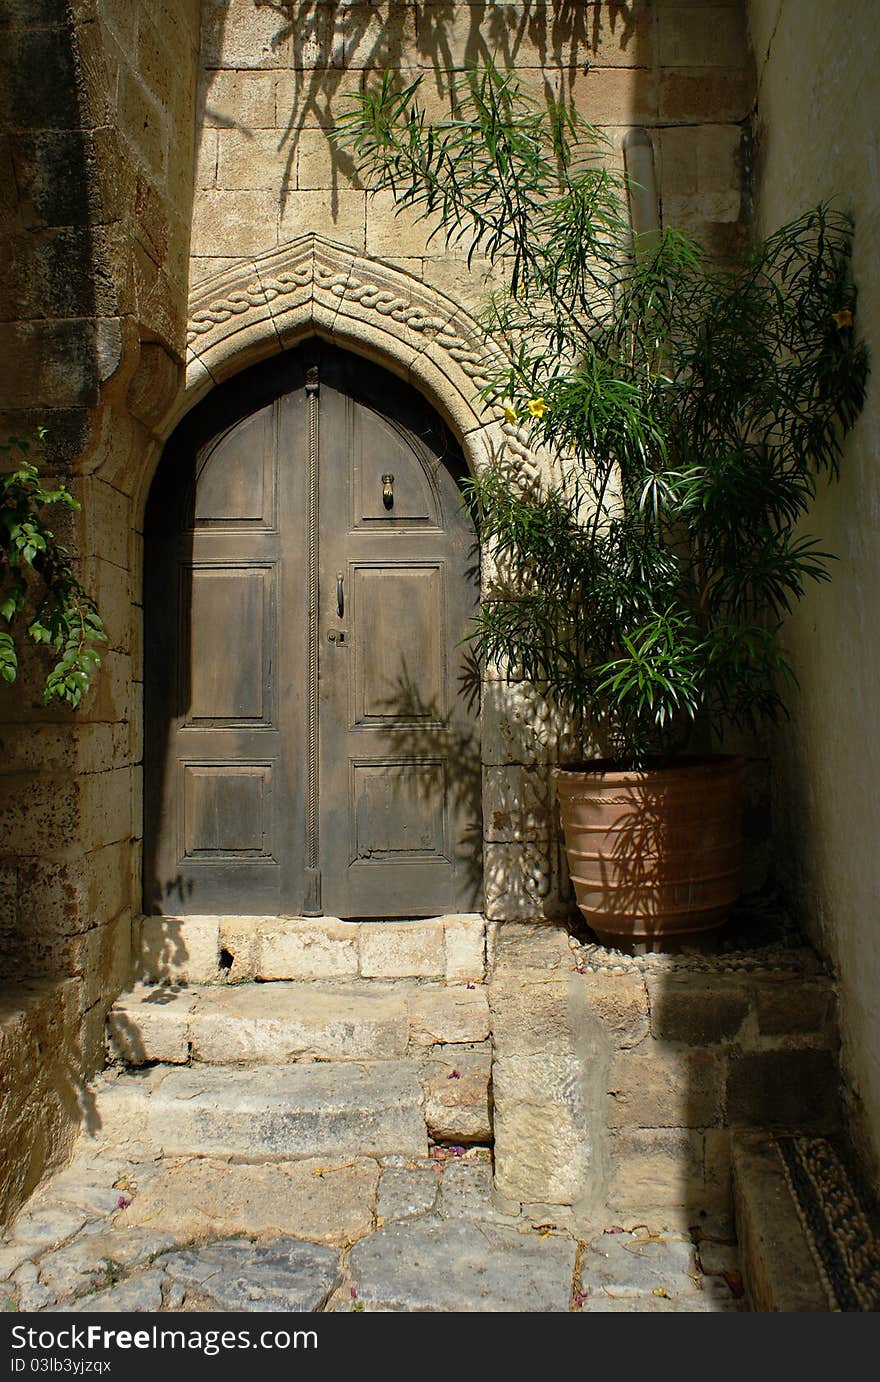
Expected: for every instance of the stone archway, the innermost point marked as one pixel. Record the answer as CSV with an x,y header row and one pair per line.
x,y
314,286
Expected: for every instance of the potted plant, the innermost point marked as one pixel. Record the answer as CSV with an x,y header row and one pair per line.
x,y
694,406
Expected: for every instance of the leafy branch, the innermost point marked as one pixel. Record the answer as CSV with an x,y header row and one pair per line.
x,y
64,618
696,404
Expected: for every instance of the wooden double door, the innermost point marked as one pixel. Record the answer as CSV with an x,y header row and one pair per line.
x,y
311,726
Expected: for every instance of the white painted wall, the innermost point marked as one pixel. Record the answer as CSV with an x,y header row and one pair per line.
x,y
818,64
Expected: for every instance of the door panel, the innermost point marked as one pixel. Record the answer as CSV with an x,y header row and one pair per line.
x,y
309,578
230,676
398,627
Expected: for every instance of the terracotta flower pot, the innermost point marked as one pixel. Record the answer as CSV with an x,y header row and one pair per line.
x,y
655,856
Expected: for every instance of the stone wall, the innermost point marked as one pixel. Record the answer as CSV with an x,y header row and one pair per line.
x,y
817,139
97,117
275,80
618,1082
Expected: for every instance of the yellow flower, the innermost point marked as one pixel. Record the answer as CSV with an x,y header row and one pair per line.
x,y
537,407
509,414
843,318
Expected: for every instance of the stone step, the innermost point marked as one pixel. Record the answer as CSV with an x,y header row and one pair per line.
x,y
216,950
283,1022
267,1113
807,1241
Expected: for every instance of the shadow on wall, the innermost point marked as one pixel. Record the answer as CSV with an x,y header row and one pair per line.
x,y
332,49
51,370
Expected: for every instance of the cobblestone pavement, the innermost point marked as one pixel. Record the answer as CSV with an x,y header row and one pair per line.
x,y
119,1231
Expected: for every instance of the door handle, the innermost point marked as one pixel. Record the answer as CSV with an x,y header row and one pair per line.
x,y
340,595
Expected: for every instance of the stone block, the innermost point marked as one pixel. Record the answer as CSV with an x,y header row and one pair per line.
x,y
400,232
367,1109
517,724
325,1201
524,881
160,57
655,1169
620,1001
791,1006
238,34
401,950
545,1146
657,1087
448,1014
515,946
144,121
375,35
206,159
717,1171
340,215
234,223
705,95
406,1191
696,1009
110,587
242,99
322,164
49,359
699,159
704,36
102,958
106,520
281,1022
307,949
692,213
255,159
633,1264
464,945
783,1088
550,37
183,950
530,1012
314,102
150,1025
615,95
458,1100
518,804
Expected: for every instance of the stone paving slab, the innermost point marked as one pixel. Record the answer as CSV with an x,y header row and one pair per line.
x,y
427,1232
632,1265
437,1265
88,1260
141,1294
406,1192
697,1302
285,1274
327,1200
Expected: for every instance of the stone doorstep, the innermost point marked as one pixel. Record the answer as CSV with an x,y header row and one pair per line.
x,y
281,1022
267,1113
215,949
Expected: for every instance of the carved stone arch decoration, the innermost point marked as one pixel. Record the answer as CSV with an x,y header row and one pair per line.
x,y
314,286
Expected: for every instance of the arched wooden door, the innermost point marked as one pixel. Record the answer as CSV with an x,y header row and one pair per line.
x,y
311,729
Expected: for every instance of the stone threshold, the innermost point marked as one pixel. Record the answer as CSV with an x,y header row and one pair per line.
x,y
233,949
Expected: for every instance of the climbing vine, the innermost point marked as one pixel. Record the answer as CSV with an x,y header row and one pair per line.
x,y
39,590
